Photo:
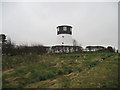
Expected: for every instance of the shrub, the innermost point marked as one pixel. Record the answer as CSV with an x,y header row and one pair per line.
x,y
42,77
45,76
69,71
93,64
50,75
21,85
79,69
60,72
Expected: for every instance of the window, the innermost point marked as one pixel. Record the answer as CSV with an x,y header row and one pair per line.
x,y
64,28
58,29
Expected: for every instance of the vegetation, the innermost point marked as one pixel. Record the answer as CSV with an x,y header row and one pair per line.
x,y
35,67
75,70
9,48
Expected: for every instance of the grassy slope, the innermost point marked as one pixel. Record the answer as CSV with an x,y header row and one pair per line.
x,y
61,71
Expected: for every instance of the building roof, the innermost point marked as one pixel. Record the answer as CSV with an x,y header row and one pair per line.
x,y
64,26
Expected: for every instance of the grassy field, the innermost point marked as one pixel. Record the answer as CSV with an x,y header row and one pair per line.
x,y
80,70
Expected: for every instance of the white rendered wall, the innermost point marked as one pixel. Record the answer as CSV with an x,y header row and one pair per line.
x,y
66,39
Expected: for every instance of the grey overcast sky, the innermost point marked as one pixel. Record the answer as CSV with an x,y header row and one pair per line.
x,y
94,23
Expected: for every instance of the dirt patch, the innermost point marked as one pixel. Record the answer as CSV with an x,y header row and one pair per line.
x,y
83,56
96,59
20,77
27,75
14,84
13,79
58,65
8,71
116,57
79,61
72,75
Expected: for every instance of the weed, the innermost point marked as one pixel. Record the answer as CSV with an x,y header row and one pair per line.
x,y
42,68
79,69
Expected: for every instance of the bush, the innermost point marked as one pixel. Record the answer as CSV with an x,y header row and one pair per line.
x,y
69,71
60,72
11,49
42,77
50,75
46,76
93,64
79,69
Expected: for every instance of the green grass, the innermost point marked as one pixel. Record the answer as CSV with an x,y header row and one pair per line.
x,y
79,70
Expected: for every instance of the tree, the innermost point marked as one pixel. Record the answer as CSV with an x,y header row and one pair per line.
x,y
8,48
3,38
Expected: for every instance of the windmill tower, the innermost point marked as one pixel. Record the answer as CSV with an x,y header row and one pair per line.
x,y
64,38
65,43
